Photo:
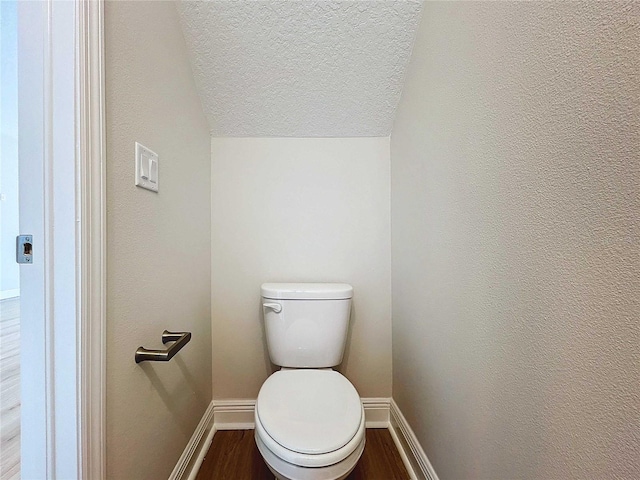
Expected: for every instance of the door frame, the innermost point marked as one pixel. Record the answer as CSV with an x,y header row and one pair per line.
x,y
62,158
91,257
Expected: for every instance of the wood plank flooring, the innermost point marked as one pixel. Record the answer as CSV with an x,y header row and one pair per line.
x,y
233,455
10,389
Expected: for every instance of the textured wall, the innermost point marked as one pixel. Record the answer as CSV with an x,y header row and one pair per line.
x,y
300,68
516,240
158,245
299,210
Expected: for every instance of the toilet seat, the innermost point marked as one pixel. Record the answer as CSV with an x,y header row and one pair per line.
x,y
310,460
287,471
308,417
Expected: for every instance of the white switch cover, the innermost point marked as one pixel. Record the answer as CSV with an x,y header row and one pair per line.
x,y
146,168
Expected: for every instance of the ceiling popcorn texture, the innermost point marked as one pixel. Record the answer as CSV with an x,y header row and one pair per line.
x,y
286,68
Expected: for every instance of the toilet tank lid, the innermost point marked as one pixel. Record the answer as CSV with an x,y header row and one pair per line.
x,y
307,291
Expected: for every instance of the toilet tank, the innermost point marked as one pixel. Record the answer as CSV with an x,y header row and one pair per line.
x,y
306,324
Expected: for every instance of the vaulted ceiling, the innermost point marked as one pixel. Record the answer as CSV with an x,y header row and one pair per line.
x,y
299,68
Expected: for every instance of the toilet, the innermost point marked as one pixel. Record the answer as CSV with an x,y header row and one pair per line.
x,y
309,418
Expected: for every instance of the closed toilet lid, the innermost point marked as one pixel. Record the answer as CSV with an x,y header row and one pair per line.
x,y
309,411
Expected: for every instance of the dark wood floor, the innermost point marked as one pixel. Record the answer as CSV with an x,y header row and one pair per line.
x,y
233,455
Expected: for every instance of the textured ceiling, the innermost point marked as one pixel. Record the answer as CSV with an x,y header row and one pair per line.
x,y
300,68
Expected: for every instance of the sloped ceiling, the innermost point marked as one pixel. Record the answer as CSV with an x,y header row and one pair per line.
x,y
299,68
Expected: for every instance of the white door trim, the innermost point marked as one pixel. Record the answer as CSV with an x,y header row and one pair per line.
x,y
90,131
51,210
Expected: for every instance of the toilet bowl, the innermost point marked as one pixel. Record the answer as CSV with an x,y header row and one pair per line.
x,y
309,424
309,418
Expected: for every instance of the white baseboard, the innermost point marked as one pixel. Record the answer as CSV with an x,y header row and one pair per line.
x,y
376,412
411,451
4,294
237,414
191,459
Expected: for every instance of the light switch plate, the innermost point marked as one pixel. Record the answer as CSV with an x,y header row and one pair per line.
x,y
147,168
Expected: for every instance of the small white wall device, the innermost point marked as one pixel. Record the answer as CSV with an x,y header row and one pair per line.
x,y
146,168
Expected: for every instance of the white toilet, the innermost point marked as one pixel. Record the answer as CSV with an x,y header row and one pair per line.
x,y
309,418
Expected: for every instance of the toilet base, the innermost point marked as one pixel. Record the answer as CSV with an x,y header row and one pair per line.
x,y
286,471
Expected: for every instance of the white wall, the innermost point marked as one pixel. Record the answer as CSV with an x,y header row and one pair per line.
x,y
515,179
158,245
296,209
9,227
